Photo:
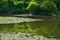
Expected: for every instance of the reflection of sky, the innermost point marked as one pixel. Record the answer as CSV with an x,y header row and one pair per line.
x,y
6,20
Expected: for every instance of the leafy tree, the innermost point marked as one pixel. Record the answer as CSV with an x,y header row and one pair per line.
x,y
19,6
42,7
32,7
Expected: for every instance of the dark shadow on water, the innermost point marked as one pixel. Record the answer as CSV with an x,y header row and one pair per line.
x,y
36,17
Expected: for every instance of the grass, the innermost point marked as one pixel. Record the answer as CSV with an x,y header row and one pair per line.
x,y
48,27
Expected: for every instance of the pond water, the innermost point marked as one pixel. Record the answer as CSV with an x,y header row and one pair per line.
x,y
48,27
23,36
11,20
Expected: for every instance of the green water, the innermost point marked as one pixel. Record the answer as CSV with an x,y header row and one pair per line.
x,y
49,27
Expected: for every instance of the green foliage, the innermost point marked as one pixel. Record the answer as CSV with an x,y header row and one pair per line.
x,y
57,2
48,6
32,7
19,6
3,6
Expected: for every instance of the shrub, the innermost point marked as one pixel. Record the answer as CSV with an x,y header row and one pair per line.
x,y
48,6
57,2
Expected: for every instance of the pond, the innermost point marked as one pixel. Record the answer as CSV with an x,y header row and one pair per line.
x,y
23,36
48,27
